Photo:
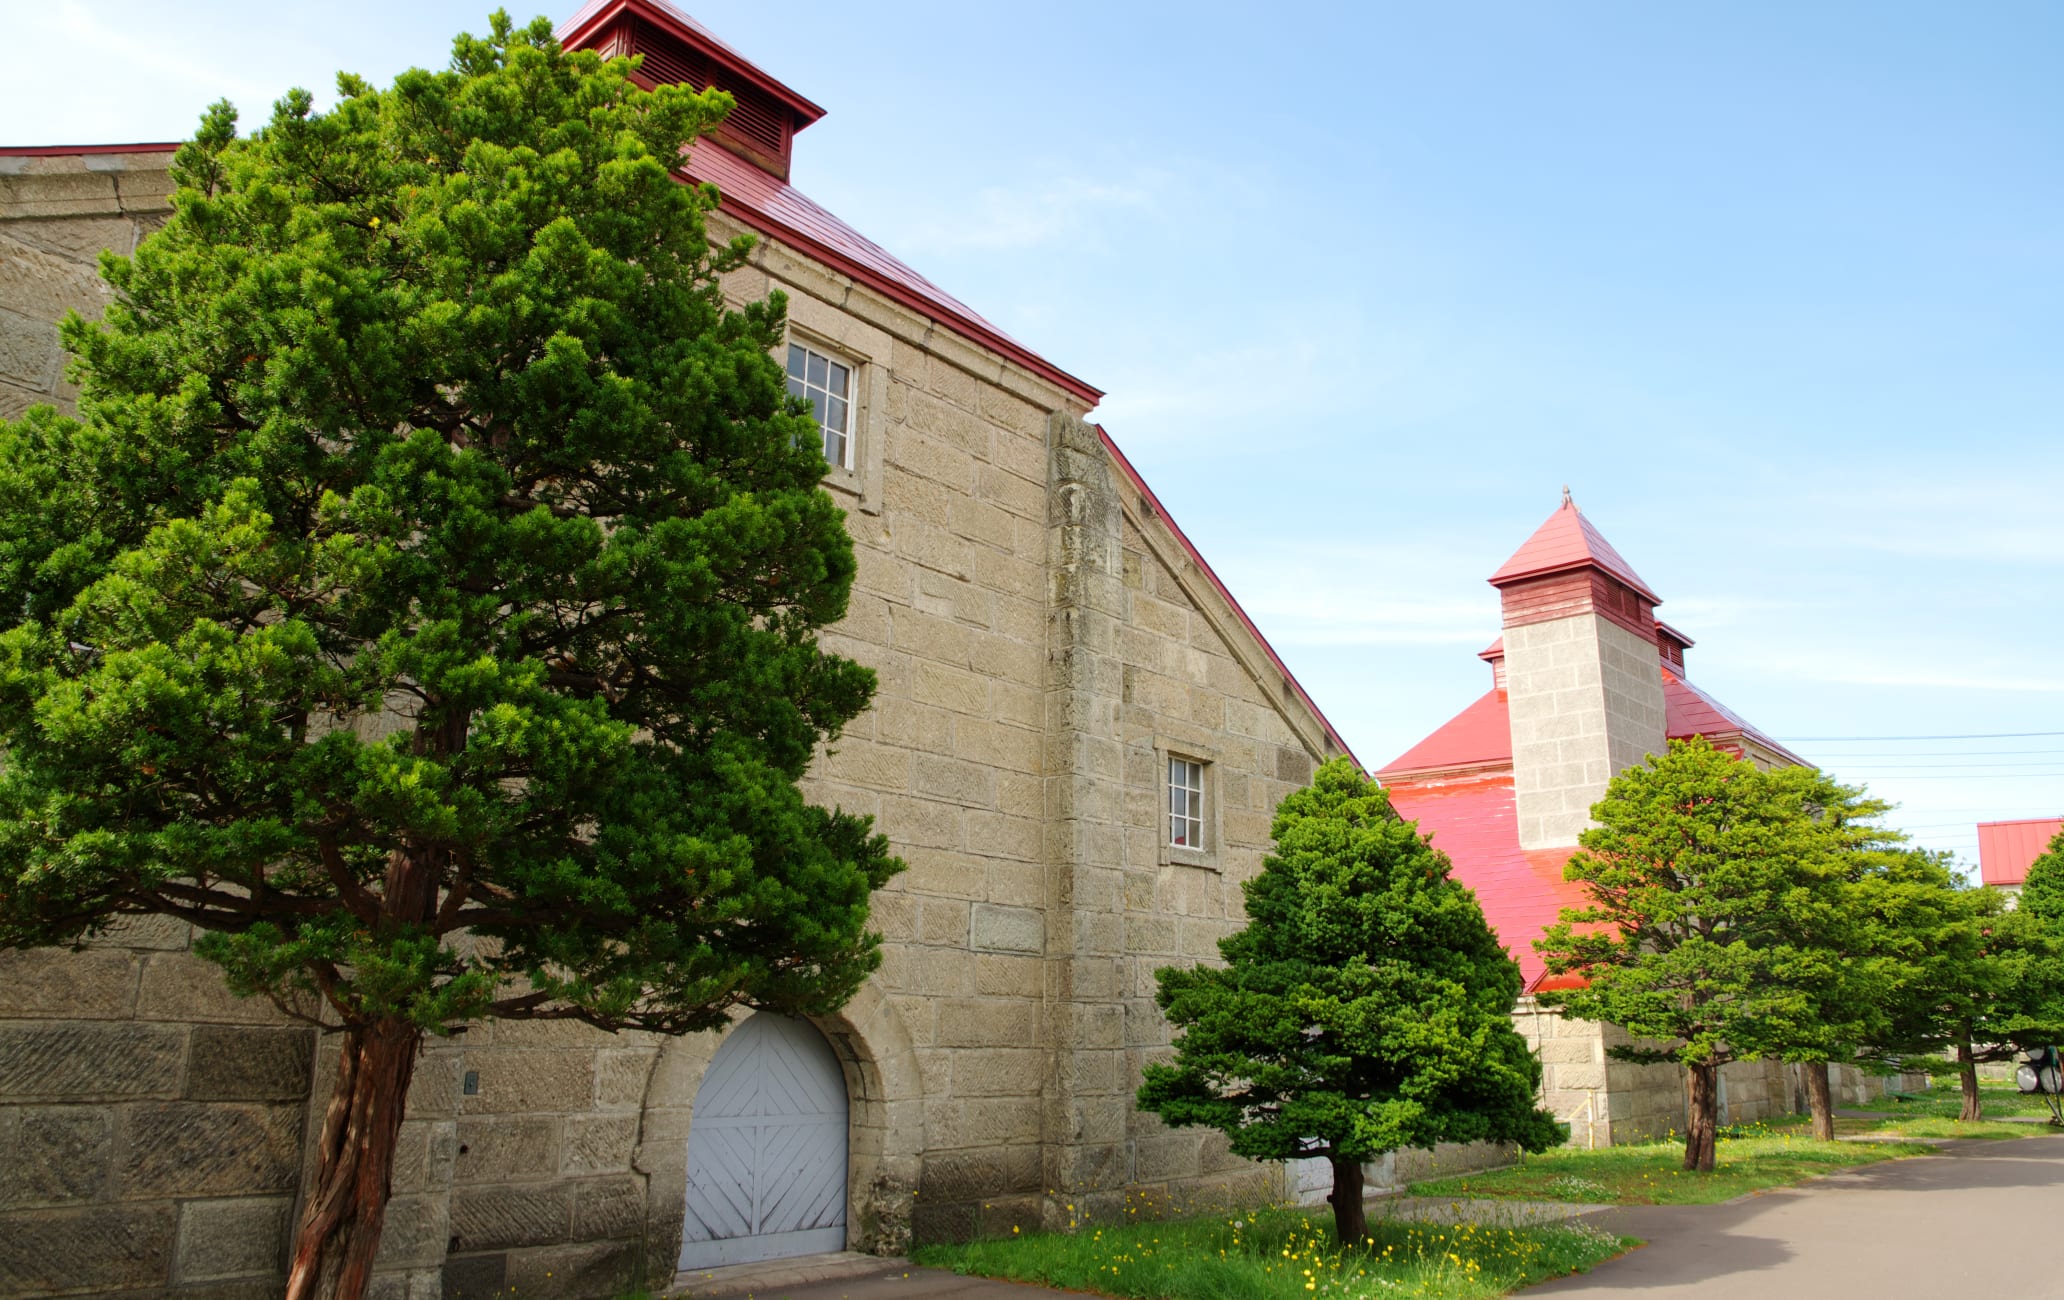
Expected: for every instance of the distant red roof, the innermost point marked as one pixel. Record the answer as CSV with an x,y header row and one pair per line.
x,y
1521,891
2005,849
1568,541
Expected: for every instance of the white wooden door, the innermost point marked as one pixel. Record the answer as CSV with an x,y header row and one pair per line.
x,y
767,1148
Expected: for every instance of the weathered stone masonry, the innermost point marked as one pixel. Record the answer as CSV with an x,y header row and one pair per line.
x,y
1043,640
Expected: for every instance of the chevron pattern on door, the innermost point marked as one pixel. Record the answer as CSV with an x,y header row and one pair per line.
x,y
767,1148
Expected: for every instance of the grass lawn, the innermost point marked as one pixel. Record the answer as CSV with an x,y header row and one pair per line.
x,y
1770,1153
1282,1253
1933,1126
1652,1174
1946,1101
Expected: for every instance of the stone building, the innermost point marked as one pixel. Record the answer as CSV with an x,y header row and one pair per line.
x,y
1057,664
1586,681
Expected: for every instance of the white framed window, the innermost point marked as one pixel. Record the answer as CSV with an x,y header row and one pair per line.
x,y
1185,804
826,383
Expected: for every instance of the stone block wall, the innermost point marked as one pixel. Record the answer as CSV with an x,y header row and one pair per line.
x,y
150,1123
1586,702
1043,642
1633,691
517,1168
1607,1102
56,216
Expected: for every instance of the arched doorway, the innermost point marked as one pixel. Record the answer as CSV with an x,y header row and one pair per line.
x,y
767,1148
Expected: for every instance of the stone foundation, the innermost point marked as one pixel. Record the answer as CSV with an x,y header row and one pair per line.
x,y
1609,1103
150,1124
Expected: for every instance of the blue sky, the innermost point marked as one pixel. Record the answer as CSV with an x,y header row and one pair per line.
x,y
1777,290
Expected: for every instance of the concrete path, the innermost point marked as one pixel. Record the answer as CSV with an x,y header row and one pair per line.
x,y
1978,1217
1981,1216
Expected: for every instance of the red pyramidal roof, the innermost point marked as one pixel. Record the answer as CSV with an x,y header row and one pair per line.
x,y
1568,541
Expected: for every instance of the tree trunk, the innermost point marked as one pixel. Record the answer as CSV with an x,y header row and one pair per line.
x,y
340,1223
1350,1216
1702,1116
1967,1075
1819,1102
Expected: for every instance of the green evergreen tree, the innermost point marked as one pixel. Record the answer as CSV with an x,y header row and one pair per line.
x,y
1365,1007
2042,891
424,603
1704,874
1980,980
1830,951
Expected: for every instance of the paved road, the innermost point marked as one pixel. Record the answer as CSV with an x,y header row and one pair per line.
x,y
1980,1218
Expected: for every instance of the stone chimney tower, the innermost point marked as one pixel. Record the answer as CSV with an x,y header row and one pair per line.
x,y
1581,673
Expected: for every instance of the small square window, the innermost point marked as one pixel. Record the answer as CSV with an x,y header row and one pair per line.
x,y
1185,804
827,385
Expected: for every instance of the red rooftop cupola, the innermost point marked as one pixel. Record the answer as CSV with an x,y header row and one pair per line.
x,y
1580,673
679,50
1672,644
1568,567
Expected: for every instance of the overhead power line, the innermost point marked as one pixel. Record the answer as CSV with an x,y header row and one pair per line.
x,y
1853,756
1968,776
1969,735
1847,766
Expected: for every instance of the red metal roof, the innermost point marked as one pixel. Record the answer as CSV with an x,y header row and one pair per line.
x,y
1521,891
1473,820
1568,541
1139,484
1481,733
1689,711
779,210
2005,849
575,31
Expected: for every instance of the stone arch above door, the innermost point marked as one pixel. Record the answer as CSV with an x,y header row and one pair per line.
x,y
767,1148
885,1097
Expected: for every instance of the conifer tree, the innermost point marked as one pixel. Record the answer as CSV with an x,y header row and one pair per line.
x,y
2042,890
1832,951
424,603
1980,980
1698,875
1365,1007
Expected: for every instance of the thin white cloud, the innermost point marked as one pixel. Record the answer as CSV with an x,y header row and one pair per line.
x,y
2007,515
1849,666
1342,592
1286,384
1056,209
162,56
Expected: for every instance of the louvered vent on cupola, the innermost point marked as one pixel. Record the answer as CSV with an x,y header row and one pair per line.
x,y
676,49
